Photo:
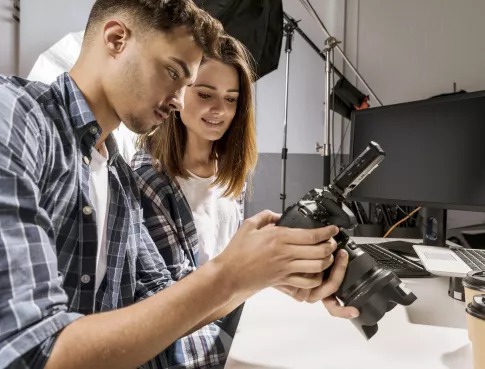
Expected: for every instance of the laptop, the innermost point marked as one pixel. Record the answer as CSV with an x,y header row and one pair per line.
x,y
450,262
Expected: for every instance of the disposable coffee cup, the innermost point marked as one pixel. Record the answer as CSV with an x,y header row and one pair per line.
x,y
476,329
474,284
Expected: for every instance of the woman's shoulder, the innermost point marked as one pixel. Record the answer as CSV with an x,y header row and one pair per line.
x,y
149,177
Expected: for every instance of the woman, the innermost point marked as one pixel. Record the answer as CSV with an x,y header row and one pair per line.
x,y
193,168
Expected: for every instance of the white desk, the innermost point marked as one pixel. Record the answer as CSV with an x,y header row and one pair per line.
x,y
277,332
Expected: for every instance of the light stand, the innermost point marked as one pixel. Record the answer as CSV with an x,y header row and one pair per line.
x,y
331,43
289,30
309,7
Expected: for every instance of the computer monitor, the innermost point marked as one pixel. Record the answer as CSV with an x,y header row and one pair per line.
x,y
435,153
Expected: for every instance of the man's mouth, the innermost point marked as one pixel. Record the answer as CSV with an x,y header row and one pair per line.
x,y
213,121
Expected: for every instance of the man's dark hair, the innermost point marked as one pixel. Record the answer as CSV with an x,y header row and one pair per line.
x,y
164,16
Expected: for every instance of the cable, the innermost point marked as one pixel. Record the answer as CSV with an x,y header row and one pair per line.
x,y
401,221
343,140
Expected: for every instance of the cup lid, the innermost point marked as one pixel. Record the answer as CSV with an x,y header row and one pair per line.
x,y
477,307
475,279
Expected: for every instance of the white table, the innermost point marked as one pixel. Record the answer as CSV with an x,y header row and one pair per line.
x,y
277,332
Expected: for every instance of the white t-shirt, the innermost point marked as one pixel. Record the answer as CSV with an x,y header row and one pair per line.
x,y
216,218
99,195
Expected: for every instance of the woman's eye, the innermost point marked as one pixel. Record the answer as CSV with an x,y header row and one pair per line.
x,y
173,74
204,96
231,100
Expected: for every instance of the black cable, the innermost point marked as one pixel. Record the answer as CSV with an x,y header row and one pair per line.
x,y
345,135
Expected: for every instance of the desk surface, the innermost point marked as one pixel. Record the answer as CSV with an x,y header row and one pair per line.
x,y
277,332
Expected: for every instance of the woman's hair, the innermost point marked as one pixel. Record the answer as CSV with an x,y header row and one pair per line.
x,y
235,153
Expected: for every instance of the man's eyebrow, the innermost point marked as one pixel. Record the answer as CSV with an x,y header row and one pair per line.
x,y
213,88
182,65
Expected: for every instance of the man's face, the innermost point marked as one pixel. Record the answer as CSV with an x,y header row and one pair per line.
x,y
146,79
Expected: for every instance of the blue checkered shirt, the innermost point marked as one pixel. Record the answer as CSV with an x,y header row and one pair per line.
x,y
48,236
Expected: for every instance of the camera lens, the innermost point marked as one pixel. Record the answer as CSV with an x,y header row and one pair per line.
x,y
371,289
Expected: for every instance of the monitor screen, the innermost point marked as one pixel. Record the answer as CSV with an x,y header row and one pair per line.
x,y
435,152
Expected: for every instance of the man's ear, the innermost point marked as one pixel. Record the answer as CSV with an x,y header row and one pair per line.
x,y
116,35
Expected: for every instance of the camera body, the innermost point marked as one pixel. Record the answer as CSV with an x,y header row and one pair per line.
x,y
366,286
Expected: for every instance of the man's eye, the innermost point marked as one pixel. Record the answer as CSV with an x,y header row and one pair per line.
x,y
173,74
204,96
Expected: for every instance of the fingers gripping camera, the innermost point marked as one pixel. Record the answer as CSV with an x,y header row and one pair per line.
x,y
366,286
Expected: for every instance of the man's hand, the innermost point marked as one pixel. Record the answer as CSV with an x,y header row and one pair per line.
x,y
261,255
325,292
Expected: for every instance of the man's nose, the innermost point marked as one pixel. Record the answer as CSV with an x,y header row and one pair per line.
x,y
176,102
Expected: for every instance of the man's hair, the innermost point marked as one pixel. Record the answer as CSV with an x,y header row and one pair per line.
x,y
161,15
235,154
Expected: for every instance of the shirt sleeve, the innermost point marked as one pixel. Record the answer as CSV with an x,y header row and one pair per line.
x,y
151,270
32,302
159,223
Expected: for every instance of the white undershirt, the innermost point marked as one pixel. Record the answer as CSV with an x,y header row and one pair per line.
x,y
99,195
216,218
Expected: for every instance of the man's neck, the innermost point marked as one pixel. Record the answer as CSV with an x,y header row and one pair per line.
x,y
197,156
89,84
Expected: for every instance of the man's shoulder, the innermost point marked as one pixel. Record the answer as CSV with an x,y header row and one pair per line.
x,y
27,102
30,93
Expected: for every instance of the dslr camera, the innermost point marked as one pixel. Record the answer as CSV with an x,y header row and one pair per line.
x,y
366,286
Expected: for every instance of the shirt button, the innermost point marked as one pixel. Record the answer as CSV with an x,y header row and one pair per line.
x,y
87,210
86,160
93,130
85,278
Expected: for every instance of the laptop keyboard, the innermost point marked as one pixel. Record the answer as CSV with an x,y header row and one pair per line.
x,y
389,260
475,259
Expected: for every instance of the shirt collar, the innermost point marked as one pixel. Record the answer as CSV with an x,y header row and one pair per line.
x,y
82,119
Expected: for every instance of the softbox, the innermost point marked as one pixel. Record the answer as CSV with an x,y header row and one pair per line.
x,y
258,24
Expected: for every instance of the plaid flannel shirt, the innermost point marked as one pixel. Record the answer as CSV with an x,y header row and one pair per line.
x,y
48,239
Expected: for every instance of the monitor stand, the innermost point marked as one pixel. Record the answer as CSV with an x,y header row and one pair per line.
x,y
434,227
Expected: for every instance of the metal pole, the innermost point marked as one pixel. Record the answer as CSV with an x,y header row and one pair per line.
x,y
288,29
330,43
311,10
321,53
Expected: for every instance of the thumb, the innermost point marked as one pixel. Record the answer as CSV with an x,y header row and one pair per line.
x,y
262,219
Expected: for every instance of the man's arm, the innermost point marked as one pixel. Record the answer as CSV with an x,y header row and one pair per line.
x,y
32,302
256,258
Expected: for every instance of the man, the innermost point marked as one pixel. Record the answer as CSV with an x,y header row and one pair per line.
x,y
81,283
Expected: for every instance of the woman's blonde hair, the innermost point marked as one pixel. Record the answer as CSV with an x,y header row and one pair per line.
x,y
235,153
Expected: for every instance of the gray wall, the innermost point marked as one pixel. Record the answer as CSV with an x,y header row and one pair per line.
x,y
44,22
8,39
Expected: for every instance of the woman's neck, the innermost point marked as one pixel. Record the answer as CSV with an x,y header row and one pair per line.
x,y
197,156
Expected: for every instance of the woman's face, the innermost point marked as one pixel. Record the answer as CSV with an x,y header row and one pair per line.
x,y
211,102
